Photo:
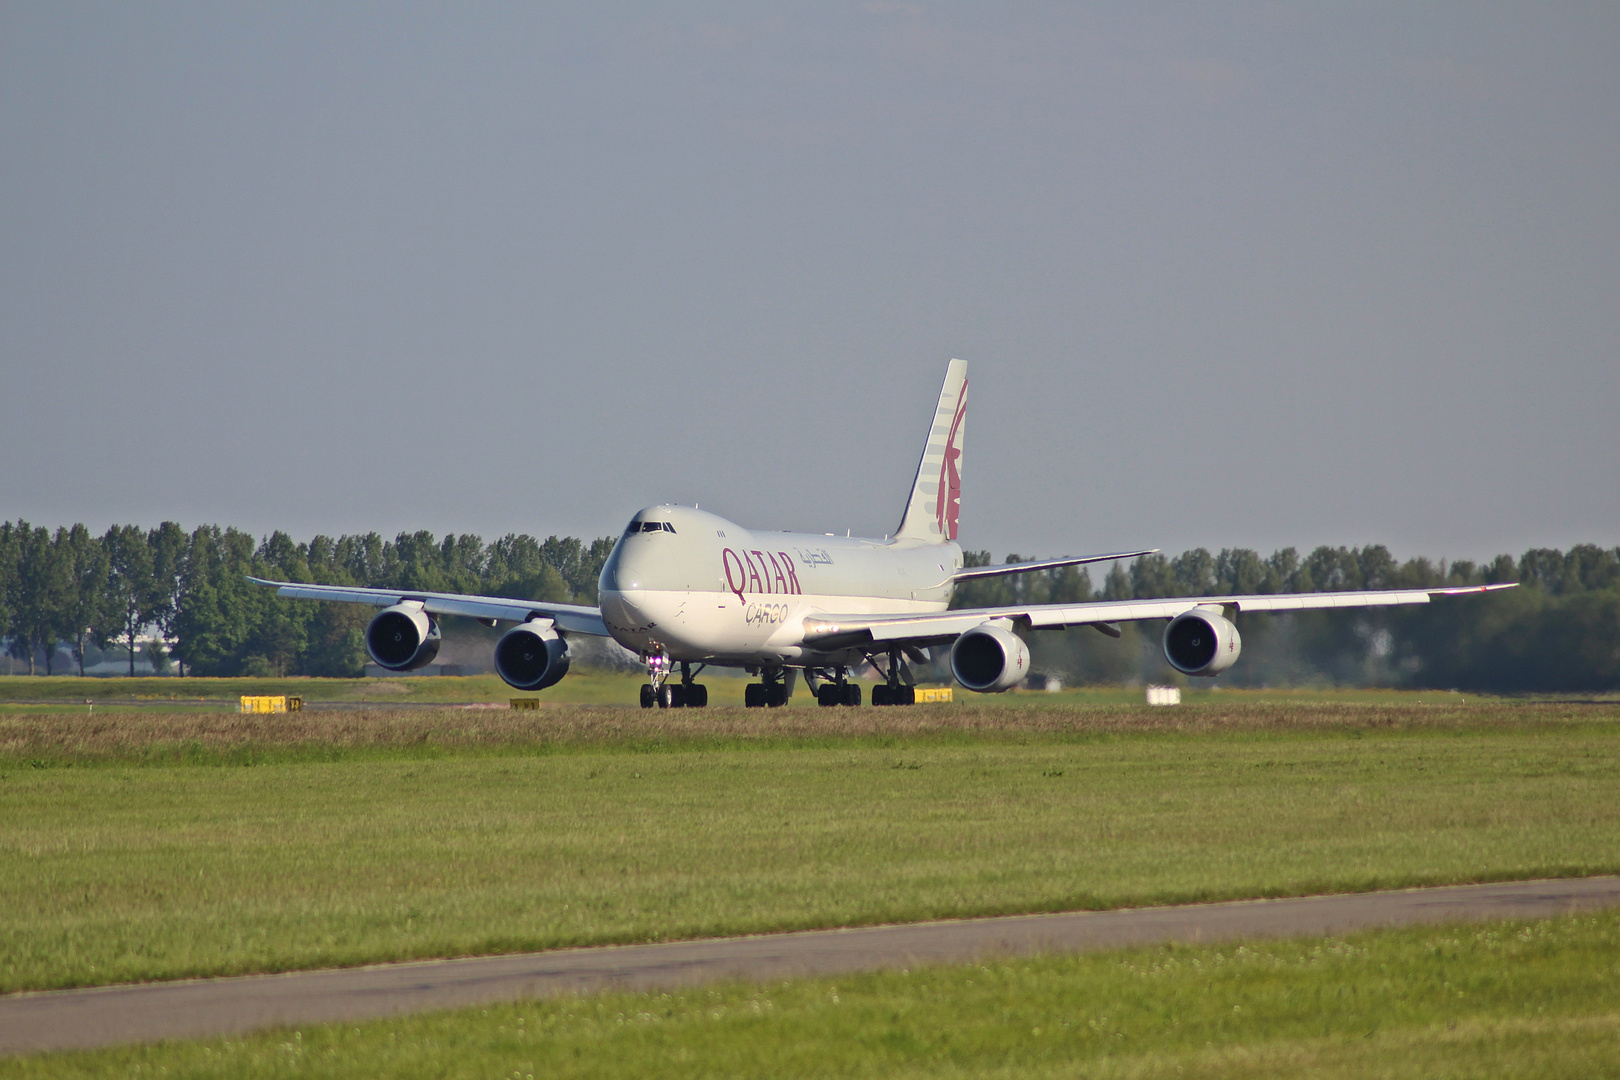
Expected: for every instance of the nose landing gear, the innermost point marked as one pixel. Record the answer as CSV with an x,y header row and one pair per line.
x,y
667,695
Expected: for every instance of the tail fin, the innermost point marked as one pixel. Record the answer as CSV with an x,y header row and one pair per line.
x,y
936,493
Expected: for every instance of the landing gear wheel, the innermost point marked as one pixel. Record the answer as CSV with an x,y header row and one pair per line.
x,y
697,696
646,695
775,695
754,695
852,693
677,696
666,696
829,694
880,695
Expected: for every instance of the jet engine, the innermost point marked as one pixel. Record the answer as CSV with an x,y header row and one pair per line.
x,y
532,656
989,659
1201,642
402,638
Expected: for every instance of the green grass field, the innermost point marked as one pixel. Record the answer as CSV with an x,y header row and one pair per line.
x,y
583,686
1506,1000
160,845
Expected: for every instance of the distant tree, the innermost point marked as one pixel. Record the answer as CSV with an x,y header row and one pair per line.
x,y
1283,570
1241,572
1066,585
1542,568
1331,570
517,566
1461,572
334,645
277,631
42,604
1377,567
1502,568
168,543
87,606
1151,576
8,575
1194,573
1117,585
156,655
591,561
218,626
131,584
1592,568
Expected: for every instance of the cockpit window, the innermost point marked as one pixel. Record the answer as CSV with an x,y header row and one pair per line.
x,y
668,527
632,528
657,526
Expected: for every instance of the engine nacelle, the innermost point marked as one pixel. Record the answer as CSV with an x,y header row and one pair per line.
x,y
989,659
1201,642
532,656
402,638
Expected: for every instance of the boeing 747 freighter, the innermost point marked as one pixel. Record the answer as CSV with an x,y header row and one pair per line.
x,y
684,589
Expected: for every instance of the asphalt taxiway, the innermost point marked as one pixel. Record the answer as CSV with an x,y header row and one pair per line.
x,y
101,1016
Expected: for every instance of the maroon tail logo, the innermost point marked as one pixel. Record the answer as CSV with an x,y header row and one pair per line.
x,y
948,501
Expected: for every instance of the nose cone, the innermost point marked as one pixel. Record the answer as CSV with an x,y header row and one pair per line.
x,y
631,566
664,549
625,591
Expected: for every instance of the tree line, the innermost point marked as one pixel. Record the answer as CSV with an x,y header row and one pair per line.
x,y
1559,631
76,588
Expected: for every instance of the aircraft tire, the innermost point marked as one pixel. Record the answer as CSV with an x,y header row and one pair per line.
x,y
828,694
697,696
677,696
754,695
880,695
666,696
852,693
646,695
776,695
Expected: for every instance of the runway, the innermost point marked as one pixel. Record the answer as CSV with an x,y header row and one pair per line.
x,y
74,1019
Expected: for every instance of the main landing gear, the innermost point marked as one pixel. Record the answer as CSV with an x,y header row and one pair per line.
x,y
667,695
897,688
772,691
836,689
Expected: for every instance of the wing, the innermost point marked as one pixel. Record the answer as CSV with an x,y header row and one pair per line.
x,y
968,573
570,618
846,631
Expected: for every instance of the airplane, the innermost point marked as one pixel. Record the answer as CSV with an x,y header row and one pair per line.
x,y
684,587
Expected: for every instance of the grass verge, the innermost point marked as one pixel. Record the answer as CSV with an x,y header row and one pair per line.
x,y
583,686
1501,1000
40,738
242,854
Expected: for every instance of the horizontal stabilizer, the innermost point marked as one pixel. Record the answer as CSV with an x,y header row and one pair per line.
x,y
968,573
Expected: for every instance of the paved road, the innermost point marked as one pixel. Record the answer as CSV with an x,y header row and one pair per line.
x,y
210,1007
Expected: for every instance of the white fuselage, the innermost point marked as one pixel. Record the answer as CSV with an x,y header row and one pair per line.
x,y
713,591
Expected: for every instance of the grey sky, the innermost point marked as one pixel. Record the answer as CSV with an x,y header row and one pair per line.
x,y
1242,275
